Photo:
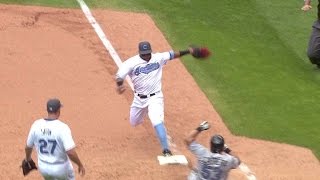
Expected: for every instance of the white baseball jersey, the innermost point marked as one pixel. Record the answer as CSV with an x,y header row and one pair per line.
x,y
145,76
51,138
212,165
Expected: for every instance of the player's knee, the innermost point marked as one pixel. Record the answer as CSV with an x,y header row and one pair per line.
x,y
157,122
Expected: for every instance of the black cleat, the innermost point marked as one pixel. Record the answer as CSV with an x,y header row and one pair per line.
x,y
166,153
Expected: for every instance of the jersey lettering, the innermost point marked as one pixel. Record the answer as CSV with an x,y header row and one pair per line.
x,y
46,132
147,69
44,146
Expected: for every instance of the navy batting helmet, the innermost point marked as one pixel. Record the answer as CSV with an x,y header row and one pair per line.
x,y
217,143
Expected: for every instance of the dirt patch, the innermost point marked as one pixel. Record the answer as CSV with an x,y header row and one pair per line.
x,y
49,52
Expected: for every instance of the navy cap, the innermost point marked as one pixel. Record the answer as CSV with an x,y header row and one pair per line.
x,y
144,47
53,105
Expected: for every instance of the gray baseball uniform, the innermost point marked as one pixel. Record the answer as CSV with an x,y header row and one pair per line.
x,y
213,166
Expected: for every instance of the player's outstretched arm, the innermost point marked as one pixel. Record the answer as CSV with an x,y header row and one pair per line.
x,y
177,54
72,154
194,133
191,137
195,51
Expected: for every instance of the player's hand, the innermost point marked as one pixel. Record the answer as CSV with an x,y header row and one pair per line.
x,y
121,89
81,170
203,126
226,149
306,8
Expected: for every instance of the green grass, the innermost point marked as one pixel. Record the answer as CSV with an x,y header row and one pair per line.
x,y
259,79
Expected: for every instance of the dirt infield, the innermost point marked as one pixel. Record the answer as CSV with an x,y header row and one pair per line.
x,y
49,52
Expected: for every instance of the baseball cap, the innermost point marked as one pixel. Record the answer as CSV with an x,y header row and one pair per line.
x,y
144,47
53,105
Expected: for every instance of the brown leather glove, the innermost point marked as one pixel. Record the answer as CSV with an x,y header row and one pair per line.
x,y
28,166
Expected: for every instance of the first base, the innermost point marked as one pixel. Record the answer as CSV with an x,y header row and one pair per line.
x,y
175,159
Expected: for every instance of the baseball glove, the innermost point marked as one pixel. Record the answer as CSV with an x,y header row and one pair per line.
x,y
200,52
28,166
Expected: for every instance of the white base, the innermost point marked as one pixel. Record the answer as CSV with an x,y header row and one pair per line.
x,y
175,159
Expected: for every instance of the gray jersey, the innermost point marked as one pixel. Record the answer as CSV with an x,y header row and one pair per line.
x,y
212,166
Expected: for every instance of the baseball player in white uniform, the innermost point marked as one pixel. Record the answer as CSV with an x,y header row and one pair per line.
x,y
54,145
214,164
145,71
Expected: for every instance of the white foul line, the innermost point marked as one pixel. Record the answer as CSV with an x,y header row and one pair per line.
x,y
244,168
102,37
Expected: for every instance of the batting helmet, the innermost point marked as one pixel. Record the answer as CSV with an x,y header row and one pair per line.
x,y
217,143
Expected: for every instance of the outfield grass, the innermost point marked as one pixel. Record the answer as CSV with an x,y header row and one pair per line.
x,y
259,78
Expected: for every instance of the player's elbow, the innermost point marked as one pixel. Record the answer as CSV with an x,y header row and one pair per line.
x,y
71,152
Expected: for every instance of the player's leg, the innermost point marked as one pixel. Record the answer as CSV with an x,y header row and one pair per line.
x,y
45,170
156,116
137,115
313,51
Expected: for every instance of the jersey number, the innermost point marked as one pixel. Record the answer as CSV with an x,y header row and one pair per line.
x,y
46,144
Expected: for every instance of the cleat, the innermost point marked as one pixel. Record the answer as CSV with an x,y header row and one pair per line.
x,y
166,153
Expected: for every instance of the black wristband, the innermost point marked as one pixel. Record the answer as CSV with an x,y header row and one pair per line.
x,y
199,129
184,52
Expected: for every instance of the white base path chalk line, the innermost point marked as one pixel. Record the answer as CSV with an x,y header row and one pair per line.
x,y
102,37
244,168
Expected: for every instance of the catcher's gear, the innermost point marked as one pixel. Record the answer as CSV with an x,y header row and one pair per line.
x,y
217,143
28,166
203,126
200,52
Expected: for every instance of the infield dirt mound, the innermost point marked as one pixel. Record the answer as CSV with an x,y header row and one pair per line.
x,y
48,52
